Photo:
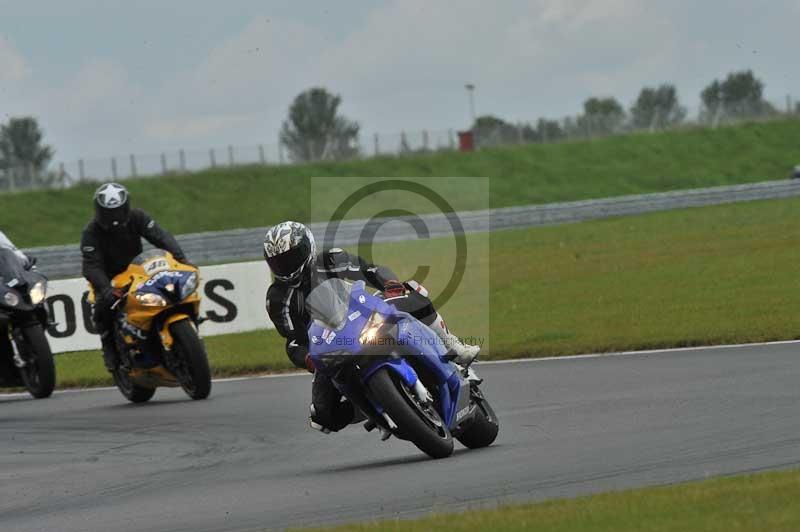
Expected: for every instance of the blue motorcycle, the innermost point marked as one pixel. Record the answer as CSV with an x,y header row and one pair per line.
x,y
396,371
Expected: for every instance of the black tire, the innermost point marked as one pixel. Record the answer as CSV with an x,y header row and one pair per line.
x,y
132,392
412,422
196,379
39,375
484,427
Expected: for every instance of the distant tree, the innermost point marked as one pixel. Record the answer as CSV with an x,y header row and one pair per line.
x,y
740,95
570,127
315,130
21,145
549,130
405,147
797,108
492,131
601,116
657,108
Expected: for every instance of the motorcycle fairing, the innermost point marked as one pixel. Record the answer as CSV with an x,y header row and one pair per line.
x,y
413,339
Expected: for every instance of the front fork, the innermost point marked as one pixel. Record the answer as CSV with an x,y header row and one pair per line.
x,y
19,362
166,335
17,340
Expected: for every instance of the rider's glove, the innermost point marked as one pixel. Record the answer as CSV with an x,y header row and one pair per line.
x,y
186,262
110,297
310,364
393,288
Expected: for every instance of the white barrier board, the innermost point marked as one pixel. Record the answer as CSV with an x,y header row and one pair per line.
x,y
233,300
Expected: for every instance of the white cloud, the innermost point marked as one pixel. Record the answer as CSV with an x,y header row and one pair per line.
x,y
242,88
99,86
404,67
193,128
13,67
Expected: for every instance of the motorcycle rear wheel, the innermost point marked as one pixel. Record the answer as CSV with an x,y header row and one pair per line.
x,y
483,429
417,423
132,392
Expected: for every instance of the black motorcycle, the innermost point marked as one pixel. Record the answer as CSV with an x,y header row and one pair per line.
x,y
25,356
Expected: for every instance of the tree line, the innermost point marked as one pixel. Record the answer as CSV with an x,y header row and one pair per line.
x,y
315,129
739,96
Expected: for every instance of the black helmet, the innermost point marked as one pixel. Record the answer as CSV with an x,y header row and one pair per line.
x,y
288,248
112,206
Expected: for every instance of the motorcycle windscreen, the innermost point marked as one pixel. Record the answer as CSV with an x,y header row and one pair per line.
x,y
328,303
149,255
10,266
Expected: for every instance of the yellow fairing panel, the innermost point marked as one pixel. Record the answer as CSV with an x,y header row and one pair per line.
x,y
141,316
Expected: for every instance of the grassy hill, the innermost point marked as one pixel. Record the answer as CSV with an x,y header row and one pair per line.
x,y
260,195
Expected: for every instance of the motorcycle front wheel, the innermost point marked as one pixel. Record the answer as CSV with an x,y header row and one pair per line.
x,y
419,423
39,372
195,377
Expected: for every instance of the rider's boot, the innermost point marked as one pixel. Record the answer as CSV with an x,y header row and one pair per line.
x,y
465,354
312,423
110,355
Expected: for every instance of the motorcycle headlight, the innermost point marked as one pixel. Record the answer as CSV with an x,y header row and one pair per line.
x,y
11,299
189,286
150,299
371,331
38,292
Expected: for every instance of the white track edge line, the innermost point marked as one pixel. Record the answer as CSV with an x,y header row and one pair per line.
x,y
479,363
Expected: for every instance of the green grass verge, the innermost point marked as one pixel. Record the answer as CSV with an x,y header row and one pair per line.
x,y
256,196
722,274
752,503
229,355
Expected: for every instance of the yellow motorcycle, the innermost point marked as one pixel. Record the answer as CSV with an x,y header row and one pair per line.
x,y
155,328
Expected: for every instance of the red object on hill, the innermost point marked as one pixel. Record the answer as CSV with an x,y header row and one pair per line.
x,y
466,141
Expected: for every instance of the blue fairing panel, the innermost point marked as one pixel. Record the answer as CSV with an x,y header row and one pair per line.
x,y
398,366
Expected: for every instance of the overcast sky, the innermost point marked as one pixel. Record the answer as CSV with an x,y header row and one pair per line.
x,y
110,77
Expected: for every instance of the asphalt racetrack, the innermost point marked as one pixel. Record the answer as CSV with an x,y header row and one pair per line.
x,y
245,459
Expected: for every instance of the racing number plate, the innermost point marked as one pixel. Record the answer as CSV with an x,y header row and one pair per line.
x,y
155,266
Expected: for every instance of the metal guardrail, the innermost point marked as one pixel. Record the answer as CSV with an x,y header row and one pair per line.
x,y
245,244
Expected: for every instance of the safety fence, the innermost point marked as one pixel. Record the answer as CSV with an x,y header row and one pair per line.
x,y
246,244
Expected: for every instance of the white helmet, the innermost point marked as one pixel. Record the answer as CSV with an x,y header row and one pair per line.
x,y
288,248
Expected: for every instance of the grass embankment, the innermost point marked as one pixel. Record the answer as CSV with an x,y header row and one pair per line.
x,y
256,196
710,275
752,503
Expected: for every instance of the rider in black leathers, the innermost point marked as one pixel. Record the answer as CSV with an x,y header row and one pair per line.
x,y
111,240
290,252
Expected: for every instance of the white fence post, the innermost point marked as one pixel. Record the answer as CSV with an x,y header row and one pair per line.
x,y
182,159
212,157
133,165
261,156
230,155
81,171
377,145
163,164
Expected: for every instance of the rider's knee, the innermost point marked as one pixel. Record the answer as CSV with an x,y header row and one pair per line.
x,y
417,303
